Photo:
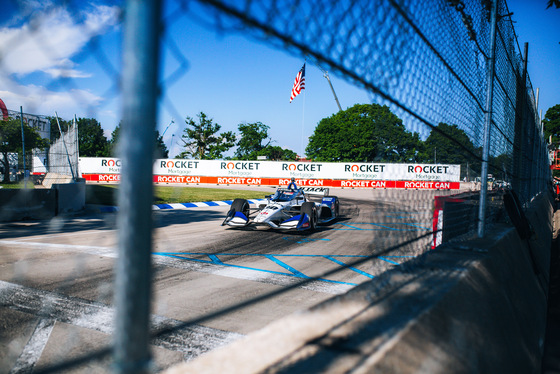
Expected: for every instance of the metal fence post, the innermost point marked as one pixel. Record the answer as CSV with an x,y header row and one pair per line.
x,y
133,268
487,120
23,148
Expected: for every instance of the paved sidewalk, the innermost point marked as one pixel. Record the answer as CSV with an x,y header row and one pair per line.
x,y
551,359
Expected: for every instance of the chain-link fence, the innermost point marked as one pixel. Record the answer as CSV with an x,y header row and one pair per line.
x,y
59,159
62,158
427,62
430,62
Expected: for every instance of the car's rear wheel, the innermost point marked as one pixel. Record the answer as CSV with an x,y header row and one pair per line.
x,y
335,208
309,209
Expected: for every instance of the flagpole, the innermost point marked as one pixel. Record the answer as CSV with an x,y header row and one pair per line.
x,y
302,125
299,85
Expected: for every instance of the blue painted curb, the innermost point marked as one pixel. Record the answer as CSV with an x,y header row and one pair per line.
x,y
113,209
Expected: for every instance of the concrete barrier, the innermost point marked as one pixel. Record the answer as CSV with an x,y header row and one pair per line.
x,y
71,196
19,204
477,306
24,204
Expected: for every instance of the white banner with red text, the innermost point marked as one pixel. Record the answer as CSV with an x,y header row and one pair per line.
x,y
279,173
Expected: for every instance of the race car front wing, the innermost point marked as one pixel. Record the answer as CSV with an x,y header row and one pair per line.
x,y
297,222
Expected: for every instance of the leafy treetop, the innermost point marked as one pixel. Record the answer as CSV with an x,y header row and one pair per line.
x,y
11,141
202,141
363,133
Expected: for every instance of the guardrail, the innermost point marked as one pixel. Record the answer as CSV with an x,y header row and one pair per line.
x,y
20,204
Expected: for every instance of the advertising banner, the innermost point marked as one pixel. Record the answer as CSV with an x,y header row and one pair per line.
x,y
320,174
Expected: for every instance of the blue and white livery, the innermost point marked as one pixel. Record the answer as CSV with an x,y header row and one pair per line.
x,y
287,209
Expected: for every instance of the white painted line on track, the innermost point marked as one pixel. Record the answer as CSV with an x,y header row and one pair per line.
x,y
190,341
34,347
80,234
89,249
213,269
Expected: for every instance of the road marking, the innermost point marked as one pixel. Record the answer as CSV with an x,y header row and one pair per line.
x,y
236,271
387,260
89,249
191,341
214,259
293,272
34,347
291,269
349,267
202,266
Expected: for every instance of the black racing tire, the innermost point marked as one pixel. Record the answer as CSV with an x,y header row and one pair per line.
x,y
309,209
240,205
336,206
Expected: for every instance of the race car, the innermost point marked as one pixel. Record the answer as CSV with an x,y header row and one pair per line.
x,y
287,209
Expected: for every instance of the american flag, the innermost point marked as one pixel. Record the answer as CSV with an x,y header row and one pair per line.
x,y
299,83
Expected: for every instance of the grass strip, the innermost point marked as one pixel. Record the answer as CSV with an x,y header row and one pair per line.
x,y
107,194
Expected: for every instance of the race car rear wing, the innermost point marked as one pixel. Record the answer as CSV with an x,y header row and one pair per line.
x,y
316,191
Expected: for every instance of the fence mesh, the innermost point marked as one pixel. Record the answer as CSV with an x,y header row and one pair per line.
x,y
427,61
63,155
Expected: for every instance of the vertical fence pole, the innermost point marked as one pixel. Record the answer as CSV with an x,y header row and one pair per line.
x,y
77,147
487,120
23,148
134,222
527,129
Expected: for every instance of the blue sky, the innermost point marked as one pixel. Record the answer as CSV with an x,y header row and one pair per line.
x,y
230,78
540,27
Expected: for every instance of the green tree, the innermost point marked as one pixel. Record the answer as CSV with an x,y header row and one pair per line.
x,y
254,138
551,123
556,3
114,141
202,141
11,141
255,141
499,166
439,148
160,150
55,131
363,133
276,153
92,141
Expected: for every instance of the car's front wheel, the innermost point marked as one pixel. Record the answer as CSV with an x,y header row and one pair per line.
x,y
240,205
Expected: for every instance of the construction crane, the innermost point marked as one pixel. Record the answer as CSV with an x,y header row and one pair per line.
x,y
170,123
326,75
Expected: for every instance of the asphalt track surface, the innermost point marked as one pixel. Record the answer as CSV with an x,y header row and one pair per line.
x,y
56,279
